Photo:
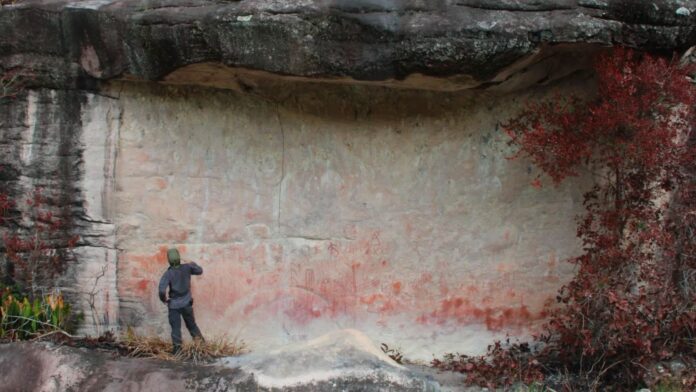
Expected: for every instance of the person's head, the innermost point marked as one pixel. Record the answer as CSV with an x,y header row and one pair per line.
x,y
173,257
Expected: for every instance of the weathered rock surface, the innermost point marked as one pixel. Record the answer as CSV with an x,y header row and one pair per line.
x,y
344,358
389,211
342,361
44,367
62,143
75,43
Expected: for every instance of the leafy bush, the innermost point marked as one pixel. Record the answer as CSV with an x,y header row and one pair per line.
x,y
23,318
502,365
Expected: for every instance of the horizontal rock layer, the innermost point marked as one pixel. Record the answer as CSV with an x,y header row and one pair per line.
x,y
74,44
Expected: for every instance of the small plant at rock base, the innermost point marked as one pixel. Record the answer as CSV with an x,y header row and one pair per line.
x,y
668,386
393,353
23,319
536,387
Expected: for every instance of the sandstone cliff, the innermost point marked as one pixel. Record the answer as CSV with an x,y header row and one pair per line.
x,y
330,163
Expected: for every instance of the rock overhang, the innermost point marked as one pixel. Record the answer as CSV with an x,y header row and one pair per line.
x,y
439,45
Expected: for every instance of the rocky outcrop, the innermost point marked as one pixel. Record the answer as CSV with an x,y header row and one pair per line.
x,y
45,367
77,43
345,360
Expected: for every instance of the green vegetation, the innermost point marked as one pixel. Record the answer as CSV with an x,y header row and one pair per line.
x,y
22,318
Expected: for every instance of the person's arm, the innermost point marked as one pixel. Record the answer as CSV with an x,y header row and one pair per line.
x,y
195,269
163,284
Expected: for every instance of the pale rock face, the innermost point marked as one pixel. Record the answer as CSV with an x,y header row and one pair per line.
x,y
393,212
96,279
396,213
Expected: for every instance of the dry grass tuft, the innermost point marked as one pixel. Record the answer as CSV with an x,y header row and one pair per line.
x,y
197,351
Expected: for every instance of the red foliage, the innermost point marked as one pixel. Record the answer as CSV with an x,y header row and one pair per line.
x,y
632,302
32,254
5,205
503,365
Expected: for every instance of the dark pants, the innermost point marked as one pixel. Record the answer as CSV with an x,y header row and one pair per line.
x,y
175,316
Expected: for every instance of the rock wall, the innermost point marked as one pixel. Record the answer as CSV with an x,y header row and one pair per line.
x,y
62,143
330,164
393,212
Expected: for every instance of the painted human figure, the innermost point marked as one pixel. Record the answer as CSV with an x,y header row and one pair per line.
x,y
180,302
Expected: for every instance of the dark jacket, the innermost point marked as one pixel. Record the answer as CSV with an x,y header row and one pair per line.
x,y
178,279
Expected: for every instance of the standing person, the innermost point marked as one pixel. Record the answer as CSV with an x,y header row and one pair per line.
x,y
180,303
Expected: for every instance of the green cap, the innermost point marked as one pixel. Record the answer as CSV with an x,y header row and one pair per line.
x,y
173,257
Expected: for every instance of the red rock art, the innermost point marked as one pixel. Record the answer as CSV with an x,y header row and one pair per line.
x,y
338,280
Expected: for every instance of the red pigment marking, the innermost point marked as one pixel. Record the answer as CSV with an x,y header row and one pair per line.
x,y
463,312
160,256
176,235
371,299
251,215
444,288
503,267
142,157
304,309
333,249
552,279
378,302
161,183
143,285
348,284
344,279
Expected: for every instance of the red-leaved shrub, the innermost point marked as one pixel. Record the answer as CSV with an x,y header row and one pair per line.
x,y
632,302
